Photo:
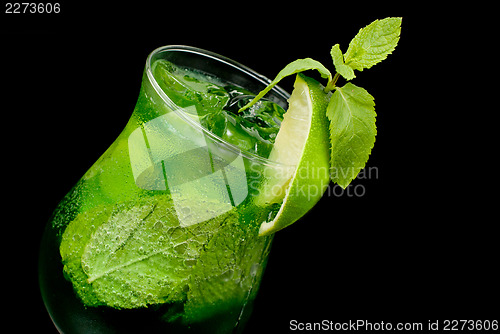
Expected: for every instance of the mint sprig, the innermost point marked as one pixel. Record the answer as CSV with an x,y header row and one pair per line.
x,y
299,65
351,109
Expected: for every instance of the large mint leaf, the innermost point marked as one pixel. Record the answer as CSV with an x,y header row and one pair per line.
x,y
135,254
351,112
75,238
373,43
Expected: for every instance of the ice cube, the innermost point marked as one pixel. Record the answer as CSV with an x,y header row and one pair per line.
x,y
217,104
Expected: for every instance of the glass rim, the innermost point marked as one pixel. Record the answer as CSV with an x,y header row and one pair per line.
x,y
184,116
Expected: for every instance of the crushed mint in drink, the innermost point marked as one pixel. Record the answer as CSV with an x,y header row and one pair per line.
x,y
185,88
254,130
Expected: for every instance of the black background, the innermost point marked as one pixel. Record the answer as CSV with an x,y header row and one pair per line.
x,y
418,245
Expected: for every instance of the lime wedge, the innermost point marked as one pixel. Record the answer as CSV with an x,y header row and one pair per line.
x,y
302,142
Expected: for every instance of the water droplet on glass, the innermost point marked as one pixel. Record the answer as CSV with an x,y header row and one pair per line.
x,y
254,269
186,210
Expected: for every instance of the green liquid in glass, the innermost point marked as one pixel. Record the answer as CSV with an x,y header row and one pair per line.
x,y
160,234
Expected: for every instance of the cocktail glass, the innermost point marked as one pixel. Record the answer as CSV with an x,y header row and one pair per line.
x,y
161,234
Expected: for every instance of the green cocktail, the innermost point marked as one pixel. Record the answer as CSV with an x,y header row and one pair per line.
x,y
169,231
161,234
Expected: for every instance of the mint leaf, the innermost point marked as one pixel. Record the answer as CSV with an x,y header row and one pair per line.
x,y
373,43
226,275
338,60
135,254
351,112
294,67
73,243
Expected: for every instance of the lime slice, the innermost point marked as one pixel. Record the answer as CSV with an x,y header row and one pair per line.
x,y
303,142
